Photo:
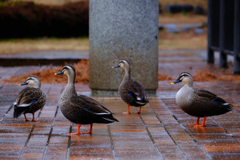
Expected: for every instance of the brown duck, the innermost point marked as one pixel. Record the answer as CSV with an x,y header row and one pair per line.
x,y
30,99
81,109
131,92
198,102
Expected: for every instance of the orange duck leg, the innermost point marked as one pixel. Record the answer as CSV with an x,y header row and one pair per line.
x,y
197,123
78,131
139,112
90,130
128,112
25,118
33,119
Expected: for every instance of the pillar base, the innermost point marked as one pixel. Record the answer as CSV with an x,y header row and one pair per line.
x,y
105,93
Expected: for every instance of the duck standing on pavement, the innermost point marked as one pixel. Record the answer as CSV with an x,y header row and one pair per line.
x,y
30,99
131,92
81,109
199,102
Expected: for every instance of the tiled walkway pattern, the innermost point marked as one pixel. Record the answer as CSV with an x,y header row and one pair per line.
x,y
160,132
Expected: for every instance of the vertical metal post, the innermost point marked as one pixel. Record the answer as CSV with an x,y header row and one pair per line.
x,y
210,51
237,38
223,57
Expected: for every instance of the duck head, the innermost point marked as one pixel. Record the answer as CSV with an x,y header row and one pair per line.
x,y
125,64
68,70
33,81
186,78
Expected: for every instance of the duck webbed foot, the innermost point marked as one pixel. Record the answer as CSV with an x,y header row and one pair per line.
x,y
33,119
128,112
90,130
197,123
78,131
25,118
138,112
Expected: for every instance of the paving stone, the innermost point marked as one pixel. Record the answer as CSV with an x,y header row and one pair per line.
x,y
160,132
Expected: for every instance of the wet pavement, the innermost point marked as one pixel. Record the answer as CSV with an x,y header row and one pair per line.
x,y
160,132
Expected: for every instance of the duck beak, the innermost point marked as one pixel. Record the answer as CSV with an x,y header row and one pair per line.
x,y
117,66
177,81
59,73
24,83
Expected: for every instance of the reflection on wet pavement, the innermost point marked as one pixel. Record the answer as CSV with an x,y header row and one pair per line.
x,y
160,132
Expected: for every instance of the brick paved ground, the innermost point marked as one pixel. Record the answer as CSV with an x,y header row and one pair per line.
x,y
160,132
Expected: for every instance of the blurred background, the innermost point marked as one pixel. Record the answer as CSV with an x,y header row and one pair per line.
x,y
33,25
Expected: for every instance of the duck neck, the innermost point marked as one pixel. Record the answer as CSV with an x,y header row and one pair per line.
x,y
69,90
127,76
71,79
36,86
190,84
71,84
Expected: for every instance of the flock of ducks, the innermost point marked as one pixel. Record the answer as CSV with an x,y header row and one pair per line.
x,y
81,109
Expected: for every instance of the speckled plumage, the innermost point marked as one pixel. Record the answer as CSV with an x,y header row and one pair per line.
x,y
30,99
198,102
81,109
136,90
131,92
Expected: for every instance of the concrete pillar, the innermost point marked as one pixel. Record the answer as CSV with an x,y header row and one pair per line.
x,y
123,29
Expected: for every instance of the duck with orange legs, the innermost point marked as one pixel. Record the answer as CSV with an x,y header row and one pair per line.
x,y
199,102
30,99
131,92
81,109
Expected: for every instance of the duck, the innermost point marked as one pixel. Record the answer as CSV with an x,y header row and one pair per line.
x,y
131,92
199,102
81,109
30,99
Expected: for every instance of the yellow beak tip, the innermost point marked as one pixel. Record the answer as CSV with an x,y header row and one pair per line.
x,y
172,83
20,85
112,67
55,74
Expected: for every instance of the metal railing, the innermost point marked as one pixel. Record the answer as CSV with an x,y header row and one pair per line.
x,y
224,31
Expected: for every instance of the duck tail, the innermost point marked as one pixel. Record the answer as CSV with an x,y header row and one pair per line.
x,y
225,107
112,118
141,103
228,106
107,119
18,111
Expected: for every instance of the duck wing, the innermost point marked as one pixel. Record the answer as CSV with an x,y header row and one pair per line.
x,y
210,103
211,96
93,107
137,92
27,97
